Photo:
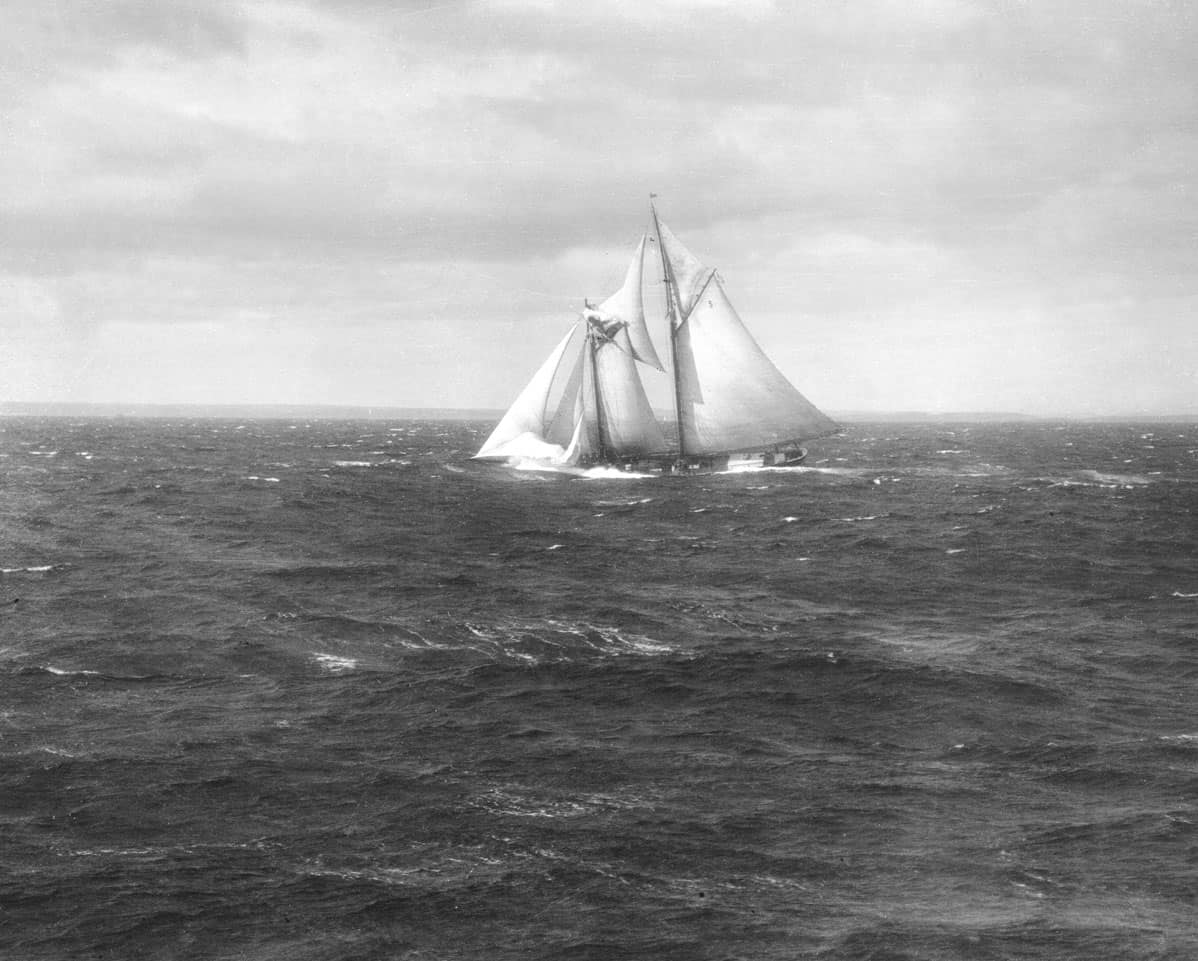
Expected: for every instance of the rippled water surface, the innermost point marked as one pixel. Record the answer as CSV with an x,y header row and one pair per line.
x,y
327,690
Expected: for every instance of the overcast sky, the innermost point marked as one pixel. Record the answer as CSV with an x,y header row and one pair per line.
x,y
914,204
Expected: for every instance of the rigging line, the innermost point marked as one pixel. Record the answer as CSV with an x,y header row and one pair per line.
x,y
699,296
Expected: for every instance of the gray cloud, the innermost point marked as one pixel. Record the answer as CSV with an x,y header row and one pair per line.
x,y
967,161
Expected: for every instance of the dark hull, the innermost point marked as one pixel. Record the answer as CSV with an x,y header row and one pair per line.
x,y
708,464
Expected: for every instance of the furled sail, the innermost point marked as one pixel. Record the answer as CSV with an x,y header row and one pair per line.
x,y
731,396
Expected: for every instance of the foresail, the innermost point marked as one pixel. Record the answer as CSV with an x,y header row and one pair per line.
x,y
731,396
629,427
627,305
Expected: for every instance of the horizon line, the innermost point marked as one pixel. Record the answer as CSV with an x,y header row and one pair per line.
x,y
380,411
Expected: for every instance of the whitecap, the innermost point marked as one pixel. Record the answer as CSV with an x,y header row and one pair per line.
x,y
27,570
353,463
335,664
1101,479
534,642
55,751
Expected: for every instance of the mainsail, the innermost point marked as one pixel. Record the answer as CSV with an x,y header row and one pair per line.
x,y
731,397
588,404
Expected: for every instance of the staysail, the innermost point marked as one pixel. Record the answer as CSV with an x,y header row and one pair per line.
x,y
524,425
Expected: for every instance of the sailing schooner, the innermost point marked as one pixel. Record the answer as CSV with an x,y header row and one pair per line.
x,y
587,406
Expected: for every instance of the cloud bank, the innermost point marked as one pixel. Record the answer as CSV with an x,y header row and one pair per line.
x,y
938,205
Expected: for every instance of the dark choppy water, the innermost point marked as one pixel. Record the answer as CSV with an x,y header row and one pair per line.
x,y
327,691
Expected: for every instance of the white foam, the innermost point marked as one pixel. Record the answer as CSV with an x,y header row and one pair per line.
x,y
533,641
56,751
335,664
1093,478
27,570
612,473
353,463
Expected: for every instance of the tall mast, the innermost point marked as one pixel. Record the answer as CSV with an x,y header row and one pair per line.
x,y
674,315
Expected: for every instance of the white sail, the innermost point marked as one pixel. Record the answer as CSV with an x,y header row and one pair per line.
x,y
527,416
731,396
626,417
627,304
689,273
587,402
578,447
562,418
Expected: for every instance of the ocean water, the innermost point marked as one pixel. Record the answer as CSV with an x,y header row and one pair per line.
x,y
326,690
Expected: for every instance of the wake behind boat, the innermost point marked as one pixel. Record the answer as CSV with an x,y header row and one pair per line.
x,y
587,405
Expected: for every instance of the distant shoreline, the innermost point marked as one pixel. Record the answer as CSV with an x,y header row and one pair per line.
x,y
348,412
